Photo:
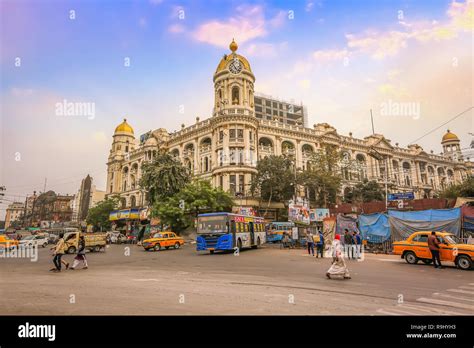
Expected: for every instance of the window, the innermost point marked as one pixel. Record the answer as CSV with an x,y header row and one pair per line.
x,y
221,181
240,133
232,134
421,238
275,105
241,183
232,184
268,103
250,135
235,96
258,108
221,135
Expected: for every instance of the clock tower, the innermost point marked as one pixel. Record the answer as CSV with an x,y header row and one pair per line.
x,y
233,82
234,125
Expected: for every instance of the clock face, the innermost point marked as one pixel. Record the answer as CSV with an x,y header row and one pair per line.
x,y
235,66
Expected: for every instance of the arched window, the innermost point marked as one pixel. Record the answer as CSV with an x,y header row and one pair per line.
x,y
123,202
235,96
133,202
407,173
206,164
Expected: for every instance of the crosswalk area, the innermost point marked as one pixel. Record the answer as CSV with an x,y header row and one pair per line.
x,y
456,301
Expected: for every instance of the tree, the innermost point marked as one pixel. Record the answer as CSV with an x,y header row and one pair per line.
x,y
464,189
164,177
323,176
275,179
367,191
180,210
98,216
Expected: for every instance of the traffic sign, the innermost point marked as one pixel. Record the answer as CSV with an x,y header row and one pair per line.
x,y
401,196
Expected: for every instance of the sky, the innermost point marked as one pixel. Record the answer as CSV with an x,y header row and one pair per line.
x,y
152,62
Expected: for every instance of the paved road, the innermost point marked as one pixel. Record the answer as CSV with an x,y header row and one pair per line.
x,y
265,281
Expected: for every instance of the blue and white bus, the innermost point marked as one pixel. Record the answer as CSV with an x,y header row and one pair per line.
x,y
276,229
227,231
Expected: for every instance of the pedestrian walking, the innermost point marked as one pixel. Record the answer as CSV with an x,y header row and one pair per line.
x,y
338,266
320,245
81,255
58,253
433,245
357,244
310,242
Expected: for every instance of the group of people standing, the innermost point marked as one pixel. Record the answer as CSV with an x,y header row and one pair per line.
x,y
59,250
350,246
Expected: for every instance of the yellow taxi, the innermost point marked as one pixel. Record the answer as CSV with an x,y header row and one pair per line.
x,y
7,243
162,240
415,248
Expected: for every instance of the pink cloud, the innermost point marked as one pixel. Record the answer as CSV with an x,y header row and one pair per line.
x,y
248,23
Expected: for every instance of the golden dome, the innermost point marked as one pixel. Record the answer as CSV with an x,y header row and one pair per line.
x,y
124,127
450,136
229,57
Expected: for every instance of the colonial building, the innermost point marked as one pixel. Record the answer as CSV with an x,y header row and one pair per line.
x,y
14,213
226,147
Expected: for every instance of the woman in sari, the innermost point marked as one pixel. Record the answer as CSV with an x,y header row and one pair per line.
x,y
338,267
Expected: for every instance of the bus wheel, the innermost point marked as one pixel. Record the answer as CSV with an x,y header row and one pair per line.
x,y
211,251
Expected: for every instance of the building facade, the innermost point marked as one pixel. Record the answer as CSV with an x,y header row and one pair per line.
x,y
225,148
14,213
270,109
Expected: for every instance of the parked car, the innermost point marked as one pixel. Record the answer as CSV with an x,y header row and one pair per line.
x,y
34,241
7,243
163,240
415,248
116,237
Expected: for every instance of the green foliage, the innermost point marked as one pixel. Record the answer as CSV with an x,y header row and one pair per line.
x,y
164,177
275,179
323,176
464,189
98,216
367,191
198,196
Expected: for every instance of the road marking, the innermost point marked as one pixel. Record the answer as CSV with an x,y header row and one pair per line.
x,y
388,260
455,297
445,303
461,291
431,310
466,287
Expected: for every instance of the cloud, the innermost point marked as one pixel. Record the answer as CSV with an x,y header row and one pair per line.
x,y
155,2
309,6
380,45
176,28
142,22
265,49
325,56
21,92
248,23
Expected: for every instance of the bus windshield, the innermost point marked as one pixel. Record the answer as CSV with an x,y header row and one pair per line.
x,y
212,224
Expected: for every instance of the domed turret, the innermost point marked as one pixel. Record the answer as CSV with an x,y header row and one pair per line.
x,y
452,146
124,127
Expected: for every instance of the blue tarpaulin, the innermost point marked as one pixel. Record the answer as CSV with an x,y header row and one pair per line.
x,y
404,223
374,227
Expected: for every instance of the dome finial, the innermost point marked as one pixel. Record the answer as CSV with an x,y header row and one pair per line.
x,y
233,45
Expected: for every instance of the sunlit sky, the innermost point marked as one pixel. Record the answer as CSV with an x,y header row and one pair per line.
x,y
339,58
